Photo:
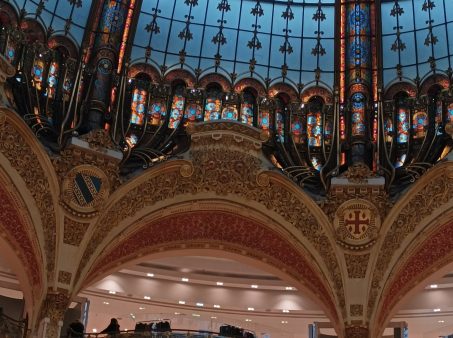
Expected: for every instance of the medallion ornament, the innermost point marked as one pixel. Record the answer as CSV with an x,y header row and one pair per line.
x,y
357,224
85,189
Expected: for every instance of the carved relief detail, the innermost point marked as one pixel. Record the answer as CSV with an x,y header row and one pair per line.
x,y
74,231
433,195
356,310
23,159
357,265
54,307
64,277
221,169
357,224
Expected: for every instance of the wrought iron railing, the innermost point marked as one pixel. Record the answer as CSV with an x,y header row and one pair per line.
x,y
12,328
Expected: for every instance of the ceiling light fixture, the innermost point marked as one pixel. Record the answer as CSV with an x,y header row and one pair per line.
x,y
213,317
436,310
182,302
112,292
106,303
147,297
177,313
284,322
150,274
217,306
254,286
219,283
289,288
248,320
285,311
95,330
185,279
441,321
251,308
195,315
141,308
434,286
199,304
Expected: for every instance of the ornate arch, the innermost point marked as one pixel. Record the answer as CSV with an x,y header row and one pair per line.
x,y
432,251
412,216
25,155
33,30
326,95
434,79
19,243
285,88
242,84
407,87
181,74
56,41
225,165
216,78
8,14
192,226
146,68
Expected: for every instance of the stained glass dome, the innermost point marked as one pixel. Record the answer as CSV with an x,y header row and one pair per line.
x,y
233,36
334,85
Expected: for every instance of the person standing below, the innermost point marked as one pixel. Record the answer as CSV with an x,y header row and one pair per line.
x,y
76,329
113,328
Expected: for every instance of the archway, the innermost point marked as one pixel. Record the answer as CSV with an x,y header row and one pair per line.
x,y
201,289
227,228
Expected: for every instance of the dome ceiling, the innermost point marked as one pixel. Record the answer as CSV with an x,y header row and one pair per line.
x,y
236,35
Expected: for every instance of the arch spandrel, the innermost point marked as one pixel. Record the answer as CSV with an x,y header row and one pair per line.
x,y
26,156
413,216
225,162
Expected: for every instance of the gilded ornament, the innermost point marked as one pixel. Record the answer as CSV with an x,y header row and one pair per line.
x,y
357,224
85,189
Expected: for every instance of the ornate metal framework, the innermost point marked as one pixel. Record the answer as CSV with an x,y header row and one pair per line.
x,y
316,132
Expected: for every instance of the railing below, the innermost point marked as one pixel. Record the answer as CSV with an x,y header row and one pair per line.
x,y
12,328
150,334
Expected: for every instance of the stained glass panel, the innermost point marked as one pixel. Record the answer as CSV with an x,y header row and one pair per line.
x,y
138,108
177,111
403,125
158,112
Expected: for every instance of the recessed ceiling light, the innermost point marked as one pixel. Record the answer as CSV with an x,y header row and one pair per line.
x,y
441,321
284,322
199,304
285,311
141,308
248,320
185,279
112,292
289,288
177,313
147,297
150,274
219,283
434,286
213,317
182,302
436,310
195,315
95,330
217,306
106,303
251,309
254,286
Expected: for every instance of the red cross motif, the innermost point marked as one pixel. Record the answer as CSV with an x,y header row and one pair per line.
x,y
356,222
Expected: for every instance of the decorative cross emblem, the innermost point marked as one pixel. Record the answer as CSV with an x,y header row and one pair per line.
x,y
357,223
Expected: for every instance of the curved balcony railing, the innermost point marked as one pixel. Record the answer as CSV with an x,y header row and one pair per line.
x,y
177,333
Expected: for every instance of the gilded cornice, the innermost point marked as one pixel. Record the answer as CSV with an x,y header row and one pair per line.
x,y
25,155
